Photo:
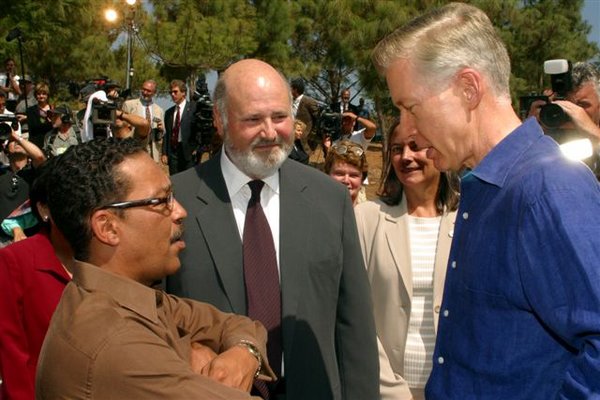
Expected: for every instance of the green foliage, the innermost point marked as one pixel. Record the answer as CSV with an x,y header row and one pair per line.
x,y
327,42
193,36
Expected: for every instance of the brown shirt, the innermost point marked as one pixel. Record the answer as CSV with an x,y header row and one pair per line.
x,y
114,338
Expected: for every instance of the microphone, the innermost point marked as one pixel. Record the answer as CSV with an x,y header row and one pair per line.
x,y
13,34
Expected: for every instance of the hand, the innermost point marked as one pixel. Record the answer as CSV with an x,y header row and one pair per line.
x,y
534,109
164,159
18,234
234,368
14,136
159,126
200,357
580,118
350,114
327,142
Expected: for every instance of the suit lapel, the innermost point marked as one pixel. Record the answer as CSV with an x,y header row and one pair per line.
x,y
396,233
216,221
295,230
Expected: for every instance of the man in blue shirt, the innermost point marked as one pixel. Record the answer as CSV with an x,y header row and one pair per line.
x,y
520,317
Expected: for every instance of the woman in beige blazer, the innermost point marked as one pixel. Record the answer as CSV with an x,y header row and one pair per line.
x,y
412,192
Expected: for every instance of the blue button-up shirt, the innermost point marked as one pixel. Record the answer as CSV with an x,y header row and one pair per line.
x,y
521,311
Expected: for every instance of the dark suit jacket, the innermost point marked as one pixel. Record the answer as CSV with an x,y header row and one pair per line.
x,y
329,341
189,141
32,281
336,108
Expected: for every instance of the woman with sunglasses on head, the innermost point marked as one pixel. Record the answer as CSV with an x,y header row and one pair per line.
x,y
346,162
34,273
405,238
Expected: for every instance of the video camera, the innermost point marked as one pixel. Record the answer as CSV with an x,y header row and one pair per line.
x,y
104,115
552,115
104,112
203,119
329,124
8,123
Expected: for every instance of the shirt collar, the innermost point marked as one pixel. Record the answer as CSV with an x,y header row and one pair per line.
x,y
497,164
128,293
236,179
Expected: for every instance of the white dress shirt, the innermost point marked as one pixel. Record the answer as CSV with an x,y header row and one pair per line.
x,y
239,193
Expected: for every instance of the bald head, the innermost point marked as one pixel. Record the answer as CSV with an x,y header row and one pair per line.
x,y
243,80
253,114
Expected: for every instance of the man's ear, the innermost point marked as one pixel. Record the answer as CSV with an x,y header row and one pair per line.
x,y
105,228
470,85
217,121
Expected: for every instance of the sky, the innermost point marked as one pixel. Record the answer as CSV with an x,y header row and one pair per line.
x,y
591,13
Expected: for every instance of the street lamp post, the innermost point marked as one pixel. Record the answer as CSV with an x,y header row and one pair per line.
x,y
111,16
131,30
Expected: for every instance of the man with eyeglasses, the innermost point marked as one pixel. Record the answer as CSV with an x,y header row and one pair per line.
x,y
180,141
145,107
113,335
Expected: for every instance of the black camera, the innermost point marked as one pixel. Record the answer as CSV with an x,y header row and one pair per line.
x,y
104,112
8,123
329,124
203,120
157,134
552,115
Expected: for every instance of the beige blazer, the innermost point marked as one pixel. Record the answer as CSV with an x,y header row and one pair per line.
x,y
383,232
136,107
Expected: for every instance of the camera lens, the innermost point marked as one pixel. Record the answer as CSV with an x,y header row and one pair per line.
x,y
553,116
5,132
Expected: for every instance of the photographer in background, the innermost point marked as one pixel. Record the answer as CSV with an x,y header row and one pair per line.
x,y
361,136
583,102
109,91
15,178
4,113
145,107
62,136
108,98
576,121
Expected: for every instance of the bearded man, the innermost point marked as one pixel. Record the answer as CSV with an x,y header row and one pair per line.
x,y
276,240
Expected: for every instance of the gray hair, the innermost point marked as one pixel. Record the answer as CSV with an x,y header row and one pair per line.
x,y
584,72
446,40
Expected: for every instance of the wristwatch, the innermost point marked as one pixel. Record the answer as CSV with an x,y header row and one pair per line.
x,y
255,352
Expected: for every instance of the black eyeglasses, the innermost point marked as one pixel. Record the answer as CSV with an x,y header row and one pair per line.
x,y
169,200
342,149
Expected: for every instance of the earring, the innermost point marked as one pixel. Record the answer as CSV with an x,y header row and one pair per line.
x,y
45,218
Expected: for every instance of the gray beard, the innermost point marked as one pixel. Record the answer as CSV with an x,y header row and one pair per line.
x,y
253,165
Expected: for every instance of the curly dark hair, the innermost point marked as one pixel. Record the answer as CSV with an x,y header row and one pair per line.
x,y
38,192
83,179
391,189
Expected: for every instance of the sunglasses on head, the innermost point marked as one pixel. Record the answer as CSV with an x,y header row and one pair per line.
x,y
342,149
